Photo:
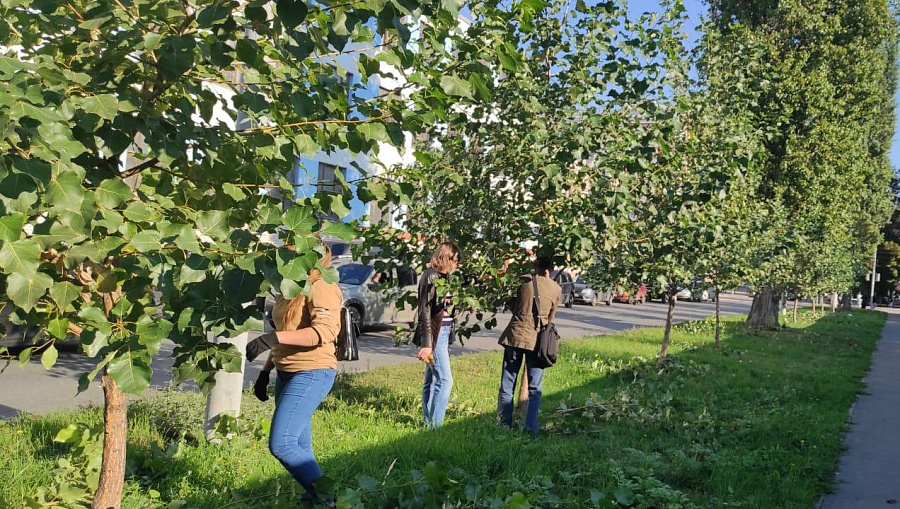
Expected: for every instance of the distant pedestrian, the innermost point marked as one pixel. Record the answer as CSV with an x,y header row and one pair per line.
x,y
434,322
519,340
303,354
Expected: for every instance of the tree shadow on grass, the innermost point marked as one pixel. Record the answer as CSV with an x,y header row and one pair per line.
x,y
749,424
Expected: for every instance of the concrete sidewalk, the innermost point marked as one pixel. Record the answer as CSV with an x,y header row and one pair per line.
x,y
869,473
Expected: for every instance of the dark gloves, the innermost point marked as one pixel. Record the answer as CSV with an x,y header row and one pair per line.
x,y
261,387
261,344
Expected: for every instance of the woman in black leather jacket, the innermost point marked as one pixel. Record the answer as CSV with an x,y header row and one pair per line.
x,y
432,336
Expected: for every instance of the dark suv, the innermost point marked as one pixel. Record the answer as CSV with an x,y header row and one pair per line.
x,y
565,281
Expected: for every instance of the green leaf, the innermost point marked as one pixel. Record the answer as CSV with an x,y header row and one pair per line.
x,y
95,317
374,131
452,6
300,220
518,500
213,223
291,12
289,289
193,270
94,23
146,241
11,227
235,192
48,358
306,145
63,294
132,374
112,193
456,86
65,192
65,435
151,41
151,332
481,88
25,292
105,106
343,231
84,381
139,212
58,328
509,58
329,274
336,203
294,270
624,496
93,341
241,286
25,356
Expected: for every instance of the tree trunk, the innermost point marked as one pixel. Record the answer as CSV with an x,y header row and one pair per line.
x,y
813,305
834,302
522,402
115,433
796,305
664,349
846,304
718,320
764,309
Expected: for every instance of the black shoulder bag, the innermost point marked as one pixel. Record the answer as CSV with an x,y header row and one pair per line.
x,y
547,348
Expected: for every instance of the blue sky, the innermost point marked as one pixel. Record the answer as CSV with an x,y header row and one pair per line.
x,y
697,8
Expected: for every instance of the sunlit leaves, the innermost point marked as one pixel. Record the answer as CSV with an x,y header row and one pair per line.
x,y
104,105
455,86
130,372
112,193
11,227
22,257
26,291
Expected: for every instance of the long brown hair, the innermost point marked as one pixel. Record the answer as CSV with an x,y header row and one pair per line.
x,y
444,256
295,308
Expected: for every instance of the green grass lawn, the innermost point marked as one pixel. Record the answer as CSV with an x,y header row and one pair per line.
x,y
757,424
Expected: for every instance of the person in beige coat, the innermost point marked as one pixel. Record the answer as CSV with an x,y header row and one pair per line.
x,y
519,340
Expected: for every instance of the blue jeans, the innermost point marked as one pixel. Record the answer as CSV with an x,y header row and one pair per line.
x,y
438,381
512,361
297,395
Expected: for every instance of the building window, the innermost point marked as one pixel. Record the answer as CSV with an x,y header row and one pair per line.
x,y
327,181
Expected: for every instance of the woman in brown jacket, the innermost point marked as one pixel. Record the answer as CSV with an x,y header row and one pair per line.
x,y
303,354
519,340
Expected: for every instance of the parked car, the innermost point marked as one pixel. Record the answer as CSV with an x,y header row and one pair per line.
x,y
682,292
565,281
374,295
703,292
638,296
585,294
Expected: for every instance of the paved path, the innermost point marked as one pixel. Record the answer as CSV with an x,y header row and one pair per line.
x,y
869,473
33,389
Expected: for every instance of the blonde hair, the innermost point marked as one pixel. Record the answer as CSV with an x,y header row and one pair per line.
x,y
444,256
295,308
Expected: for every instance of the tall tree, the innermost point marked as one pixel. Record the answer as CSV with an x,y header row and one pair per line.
x,y
578,115
137,137
826,115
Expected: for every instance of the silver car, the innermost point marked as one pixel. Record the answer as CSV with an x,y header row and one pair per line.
x,y
584,294
703,292
377,296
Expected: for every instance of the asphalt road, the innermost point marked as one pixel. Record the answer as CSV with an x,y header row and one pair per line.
x,y
32,389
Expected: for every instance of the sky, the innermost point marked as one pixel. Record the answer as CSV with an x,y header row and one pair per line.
x,y
697,8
